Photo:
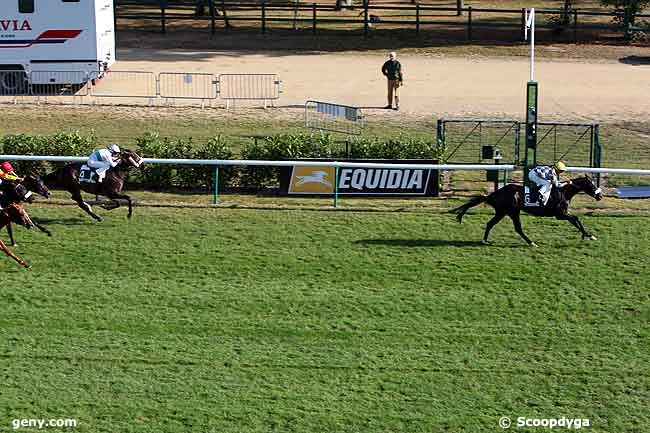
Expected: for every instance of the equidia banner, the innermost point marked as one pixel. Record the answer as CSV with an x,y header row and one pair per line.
x,y
362,181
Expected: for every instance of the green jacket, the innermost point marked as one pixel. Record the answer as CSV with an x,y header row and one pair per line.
x,y
392,69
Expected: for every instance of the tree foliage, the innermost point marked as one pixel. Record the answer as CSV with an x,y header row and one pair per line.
x,y
626,12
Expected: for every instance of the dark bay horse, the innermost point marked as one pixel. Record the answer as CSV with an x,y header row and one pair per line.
x,y
509,201
12,211
35,184
68,178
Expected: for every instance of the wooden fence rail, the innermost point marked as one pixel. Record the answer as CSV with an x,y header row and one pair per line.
x,y
416,16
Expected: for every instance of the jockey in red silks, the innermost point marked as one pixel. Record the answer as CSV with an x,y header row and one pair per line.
x,y
7,173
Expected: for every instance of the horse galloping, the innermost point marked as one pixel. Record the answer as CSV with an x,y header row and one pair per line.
x,y
11,210
509,201
34,183
68,178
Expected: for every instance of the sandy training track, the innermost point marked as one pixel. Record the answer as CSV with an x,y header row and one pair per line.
x,y
443,86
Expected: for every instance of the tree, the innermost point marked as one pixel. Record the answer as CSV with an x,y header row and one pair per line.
x,y
566,12
626,12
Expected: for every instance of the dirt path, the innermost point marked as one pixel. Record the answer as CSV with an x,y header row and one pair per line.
x,y
442,86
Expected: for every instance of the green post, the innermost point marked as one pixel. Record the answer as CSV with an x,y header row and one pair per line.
x,y
530,156
216,185
336,187
598,151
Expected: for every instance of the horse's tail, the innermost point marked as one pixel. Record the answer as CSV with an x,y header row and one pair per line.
x,y
475,201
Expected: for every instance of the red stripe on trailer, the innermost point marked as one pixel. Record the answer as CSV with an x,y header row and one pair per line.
x,y
59,34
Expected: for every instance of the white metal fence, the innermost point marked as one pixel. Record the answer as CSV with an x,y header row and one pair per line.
x,y
216,163
253,162
136,87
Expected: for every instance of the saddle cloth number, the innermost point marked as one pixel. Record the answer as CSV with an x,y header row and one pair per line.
x,y
87,175
531,197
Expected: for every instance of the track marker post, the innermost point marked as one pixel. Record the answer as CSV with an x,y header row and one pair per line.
x,y
336,187
532,90
216,185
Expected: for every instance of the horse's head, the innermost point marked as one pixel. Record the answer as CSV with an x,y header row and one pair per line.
x,y
16,193
34,183
16,213
588,186
129,159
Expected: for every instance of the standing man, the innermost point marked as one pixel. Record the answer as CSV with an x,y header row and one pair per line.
x,y
392,70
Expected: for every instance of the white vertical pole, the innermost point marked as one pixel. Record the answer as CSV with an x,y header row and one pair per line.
x,y
532,45
530,24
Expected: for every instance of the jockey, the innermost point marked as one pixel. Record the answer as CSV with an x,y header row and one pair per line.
x,y
546,177
7,176
104,159
7,173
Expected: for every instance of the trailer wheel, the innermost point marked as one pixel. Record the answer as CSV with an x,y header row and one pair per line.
x,y
12,83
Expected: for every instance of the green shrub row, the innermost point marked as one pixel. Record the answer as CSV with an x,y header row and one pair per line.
x,y
278,147
63,144
296,146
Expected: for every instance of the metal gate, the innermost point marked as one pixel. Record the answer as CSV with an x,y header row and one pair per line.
x,y
480,140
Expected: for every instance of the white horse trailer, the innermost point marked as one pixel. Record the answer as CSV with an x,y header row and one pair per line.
x,y
51,42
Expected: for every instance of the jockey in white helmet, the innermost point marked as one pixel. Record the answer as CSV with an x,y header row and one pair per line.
x,y
547,177
104,159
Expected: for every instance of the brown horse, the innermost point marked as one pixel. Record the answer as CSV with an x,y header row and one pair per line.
x,y
68,178
35,184
12,211
509,201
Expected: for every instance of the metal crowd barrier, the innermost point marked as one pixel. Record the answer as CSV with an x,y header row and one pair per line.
x,y
261,87
327,116
45,86
178,85
138,85
14,83
127,84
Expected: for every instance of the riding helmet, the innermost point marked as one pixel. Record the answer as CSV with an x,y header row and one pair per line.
x,y
560,166
6,167
114,148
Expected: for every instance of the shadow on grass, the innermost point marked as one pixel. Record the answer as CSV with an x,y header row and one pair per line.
x,y
421,242
62,221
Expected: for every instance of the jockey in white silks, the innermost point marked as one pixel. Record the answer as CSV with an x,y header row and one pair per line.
x,y
104,159
546,177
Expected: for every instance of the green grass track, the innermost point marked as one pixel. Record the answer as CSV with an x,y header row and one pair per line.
x,y
240,320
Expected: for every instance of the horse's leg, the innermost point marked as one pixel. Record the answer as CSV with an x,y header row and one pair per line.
x,y
577,224
8,252
115,196
42,228
76,196
494,221
11,235
516,220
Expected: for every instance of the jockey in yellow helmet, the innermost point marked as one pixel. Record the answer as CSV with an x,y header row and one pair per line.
x,y
546,177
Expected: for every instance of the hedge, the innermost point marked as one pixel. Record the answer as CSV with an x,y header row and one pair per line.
x,y
277,147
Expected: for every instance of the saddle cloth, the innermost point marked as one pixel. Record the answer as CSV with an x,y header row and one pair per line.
x,y
87,175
